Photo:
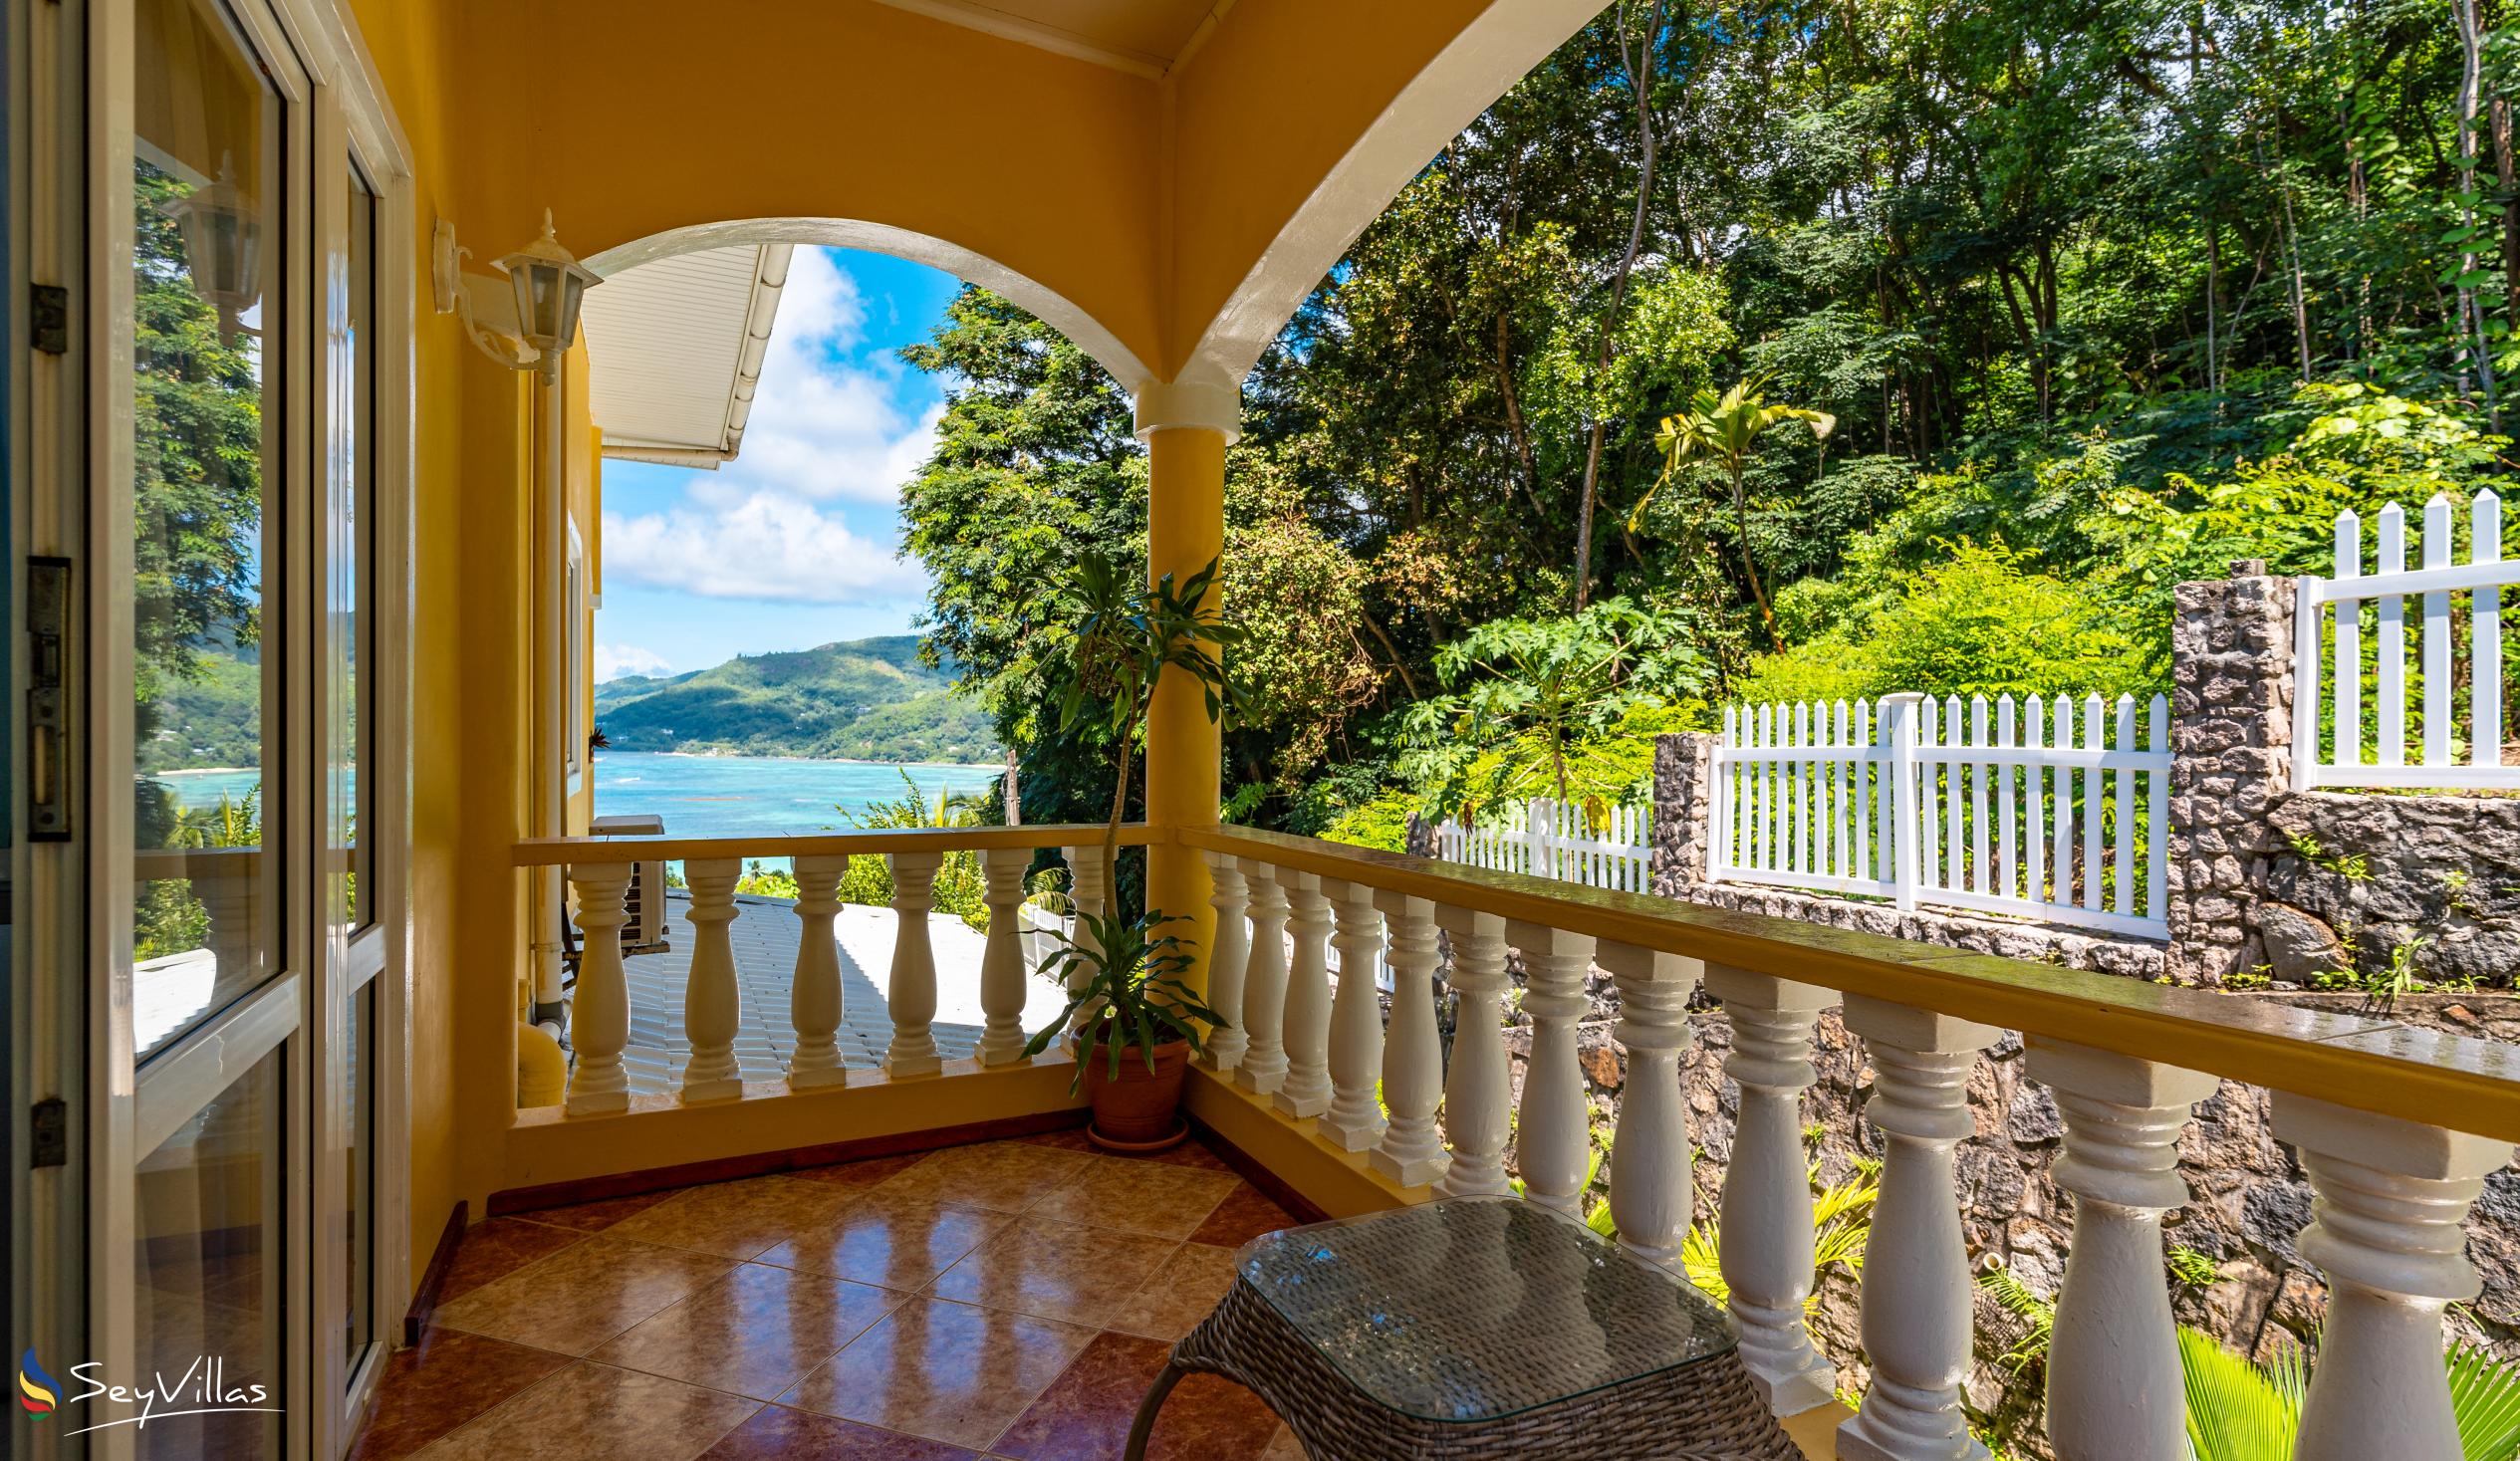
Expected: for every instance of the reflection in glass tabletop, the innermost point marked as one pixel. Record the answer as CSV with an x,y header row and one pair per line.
x,y
1478,1309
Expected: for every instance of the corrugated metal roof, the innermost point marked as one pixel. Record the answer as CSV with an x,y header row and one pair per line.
x,y
676,347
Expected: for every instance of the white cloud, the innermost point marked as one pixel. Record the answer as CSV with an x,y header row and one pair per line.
x,y
611,661
768,546
827,432
824,427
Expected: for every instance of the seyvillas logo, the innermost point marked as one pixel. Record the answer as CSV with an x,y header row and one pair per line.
x,y
37,1391
201,1389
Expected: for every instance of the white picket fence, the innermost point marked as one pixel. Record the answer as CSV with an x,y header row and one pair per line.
x,y
2450,750
1549,838
1924,803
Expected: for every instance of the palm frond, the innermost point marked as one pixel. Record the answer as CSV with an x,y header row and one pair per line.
x,y
2237,1411
2486,1396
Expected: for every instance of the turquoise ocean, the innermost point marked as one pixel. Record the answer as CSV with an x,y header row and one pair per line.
x,y
706,795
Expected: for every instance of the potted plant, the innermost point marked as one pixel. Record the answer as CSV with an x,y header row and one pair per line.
x,y
1136,1023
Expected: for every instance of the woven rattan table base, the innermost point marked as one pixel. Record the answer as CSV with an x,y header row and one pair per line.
x,y
1704,1412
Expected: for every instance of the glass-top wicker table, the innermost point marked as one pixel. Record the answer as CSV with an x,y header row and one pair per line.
x,y
1478,1328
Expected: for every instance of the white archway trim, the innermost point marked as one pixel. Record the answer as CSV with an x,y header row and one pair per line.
x,y
1464,80
844,233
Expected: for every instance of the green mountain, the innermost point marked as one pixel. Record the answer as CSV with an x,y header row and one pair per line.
x,y
868,700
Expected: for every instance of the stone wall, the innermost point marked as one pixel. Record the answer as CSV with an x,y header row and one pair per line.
x,y
2231,732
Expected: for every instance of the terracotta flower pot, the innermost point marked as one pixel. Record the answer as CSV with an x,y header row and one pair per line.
x,y
1137,1107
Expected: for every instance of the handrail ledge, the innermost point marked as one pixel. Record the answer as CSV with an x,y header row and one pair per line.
x,y
2373,1063
546,851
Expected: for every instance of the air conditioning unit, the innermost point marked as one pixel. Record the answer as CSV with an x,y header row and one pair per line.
x,y
644,932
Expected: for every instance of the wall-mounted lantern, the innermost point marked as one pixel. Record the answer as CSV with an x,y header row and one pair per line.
x,y
550,285
223,246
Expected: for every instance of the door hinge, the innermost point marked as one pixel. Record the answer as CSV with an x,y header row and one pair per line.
x,y
48,1133
48,753
49,319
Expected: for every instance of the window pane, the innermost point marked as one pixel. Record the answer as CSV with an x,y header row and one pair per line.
x,y
205,201
358,1105
349,556
208,1266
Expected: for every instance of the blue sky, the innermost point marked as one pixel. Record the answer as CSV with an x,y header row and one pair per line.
x,y
792,544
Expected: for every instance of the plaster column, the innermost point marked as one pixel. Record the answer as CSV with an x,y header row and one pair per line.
x,y
1187,426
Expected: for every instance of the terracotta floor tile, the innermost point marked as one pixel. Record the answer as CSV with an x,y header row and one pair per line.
x,y
1244,1215
594,1410
1053,1269
1139,1197
886,1239
440,1384
1189,1153
584,1295
861,1173
754,1333
500,1246
949,1371
596,1216
1086,1413
1175,1297
737,1219
777,1433
1005,1176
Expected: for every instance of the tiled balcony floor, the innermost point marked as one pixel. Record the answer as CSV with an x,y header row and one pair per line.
x,y
1006,1300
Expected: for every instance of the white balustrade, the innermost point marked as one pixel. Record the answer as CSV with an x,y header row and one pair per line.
x,y
710,1015
1355,1119
1002,971
912,990
1768,1246
1412,1151
598,1016
814,999
2386,1230
1477,1091
1649,1191
1916,1302
1554,1140
1230,897
1263,1066
1306,1090
2113,1385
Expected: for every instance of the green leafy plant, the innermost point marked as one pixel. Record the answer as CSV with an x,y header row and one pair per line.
x,y
1723,429
2398,977
2190,1268
2242,1411
2353,866
1124,978
2039,1315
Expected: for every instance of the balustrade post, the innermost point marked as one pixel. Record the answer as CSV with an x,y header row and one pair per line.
x,y
710,1011
1264,1063
2113,1384
1915,1305
1085,894
2386,1230
1412,1151
1767,1247
598,1016
1649,1191
1306,1090
1554,1142
1002,971
911,993
1354,1120
1478,1089
1229,896
815,1002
